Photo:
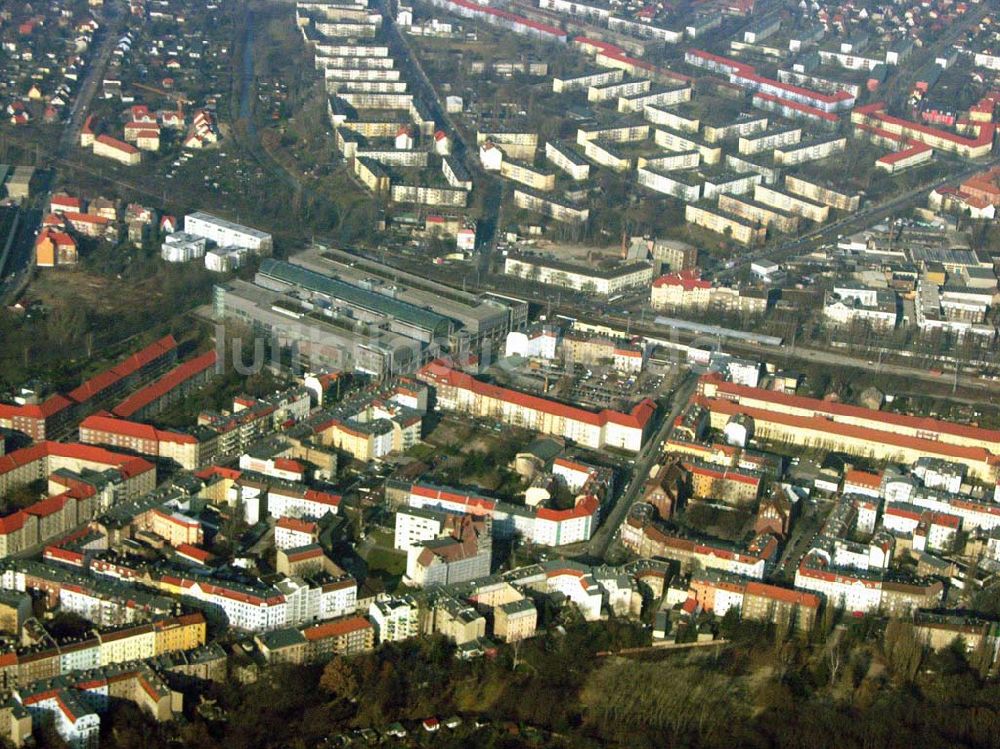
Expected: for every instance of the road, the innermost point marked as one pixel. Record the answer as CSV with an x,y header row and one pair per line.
x,y
423,90
112,22
601,541
17,270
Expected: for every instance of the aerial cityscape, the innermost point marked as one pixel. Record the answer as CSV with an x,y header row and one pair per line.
x,y
499,373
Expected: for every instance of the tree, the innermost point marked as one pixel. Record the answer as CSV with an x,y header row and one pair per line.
x,y
903,649
339,679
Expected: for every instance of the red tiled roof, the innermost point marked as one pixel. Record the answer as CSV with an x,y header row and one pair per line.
x,y
863,478
734,391
440,372
688,279
818,423
193,552
172,379
336,628
778,593
129,366
296,524
586,507
116,144
111,425
915,149
127,464
797,106
286,464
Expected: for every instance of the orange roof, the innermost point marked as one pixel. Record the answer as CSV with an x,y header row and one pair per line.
x,y
193,552
778,593
117,144
439,372
818,423
863,478
296,524
734,391
111,425
172,379
336,628
286,464
123,369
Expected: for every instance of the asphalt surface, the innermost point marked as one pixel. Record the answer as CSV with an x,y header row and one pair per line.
x,y
112,20
602,539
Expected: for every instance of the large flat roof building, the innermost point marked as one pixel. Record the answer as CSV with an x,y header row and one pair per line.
x,y
228,234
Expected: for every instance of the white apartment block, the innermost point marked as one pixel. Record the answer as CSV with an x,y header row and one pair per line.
x,y
565,158
661,97
791,204
395,619
678,185
584,82
580,278
671,161
228,234
613,91
813,150
657,115
551,207
768,140
823,194
730,184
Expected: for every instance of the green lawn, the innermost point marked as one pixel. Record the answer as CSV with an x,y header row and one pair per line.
x,y
386,563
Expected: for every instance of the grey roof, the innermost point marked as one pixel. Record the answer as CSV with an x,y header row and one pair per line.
x,y
354,295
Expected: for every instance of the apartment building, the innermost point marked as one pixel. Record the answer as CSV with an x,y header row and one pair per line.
x,y
579,277
186,450
822,193
586,81
110,148
563,157
458,391
724,182
649,540
672,140
605,154
759,213
554,208
768,140
980,144
395,619
526,174
813,149
228,234
661,96
793,110
684,185
719,591
669,161
852,429
684,289
792,204
463,553
514,143
429,195
611,91
538,525
713,219
515,620
746,164
658,115
744,126
633,132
